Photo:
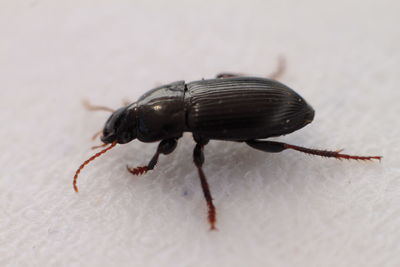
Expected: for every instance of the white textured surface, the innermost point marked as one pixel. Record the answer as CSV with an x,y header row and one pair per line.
x,y
285,209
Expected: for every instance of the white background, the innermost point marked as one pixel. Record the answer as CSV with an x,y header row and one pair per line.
x,y
285,209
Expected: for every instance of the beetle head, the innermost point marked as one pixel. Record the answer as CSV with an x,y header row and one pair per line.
x,y
121,126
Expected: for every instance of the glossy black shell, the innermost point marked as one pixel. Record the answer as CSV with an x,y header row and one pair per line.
x,y
233,109
161,113
244,108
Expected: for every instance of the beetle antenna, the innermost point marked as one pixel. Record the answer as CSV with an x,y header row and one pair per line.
x,y
88,161
91,107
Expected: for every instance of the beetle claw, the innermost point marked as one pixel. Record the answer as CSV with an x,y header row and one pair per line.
x,y
138,170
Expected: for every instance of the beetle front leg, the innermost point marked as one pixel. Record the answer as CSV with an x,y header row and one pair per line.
x,y
165,147
198,158
274,147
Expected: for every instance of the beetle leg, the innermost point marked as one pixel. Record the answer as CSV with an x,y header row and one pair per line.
x,y
126,102
280,69
165,147
228,75
270,146
91,107
198,158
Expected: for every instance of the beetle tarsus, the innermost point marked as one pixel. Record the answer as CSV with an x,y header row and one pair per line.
x,y
165,147
138,170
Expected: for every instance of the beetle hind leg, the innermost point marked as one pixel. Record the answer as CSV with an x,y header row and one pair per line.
x,y
224,75
279,71
274,147
165,147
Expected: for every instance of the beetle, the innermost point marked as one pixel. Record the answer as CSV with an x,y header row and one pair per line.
x,y
230,107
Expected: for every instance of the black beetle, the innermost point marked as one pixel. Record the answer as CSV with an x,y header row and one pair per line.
x,y
230,108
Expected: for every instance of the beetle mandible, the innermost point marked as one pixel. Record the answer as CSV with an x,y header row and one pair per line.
x,y
230,108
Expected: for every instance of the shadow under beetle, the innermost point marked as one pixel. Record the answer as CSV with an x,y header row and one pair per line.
x,y
230,108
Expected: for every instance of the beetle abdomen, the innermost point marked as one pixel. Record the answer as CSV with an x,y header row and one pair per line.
x,y
244,108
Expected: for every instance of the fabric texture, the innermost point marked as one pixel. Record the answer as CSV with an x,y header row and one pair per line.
x,y
284,209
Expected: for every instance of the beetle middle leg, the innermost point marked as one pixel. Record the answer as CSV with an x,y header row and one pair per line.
x,y
274,147
198,159
165,147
